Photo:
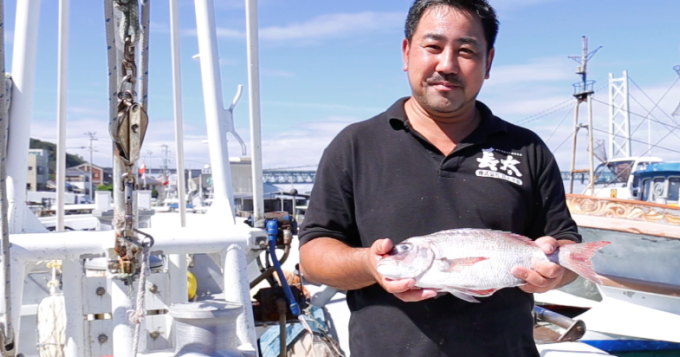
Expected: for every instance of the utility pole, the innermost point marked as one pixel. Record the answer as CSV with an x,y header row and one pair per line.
x,y
92,135
582,92
164,149
148,167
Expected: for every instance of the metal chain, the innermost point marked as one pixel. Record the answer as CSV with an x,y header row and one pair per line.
x,y
127,130
126,89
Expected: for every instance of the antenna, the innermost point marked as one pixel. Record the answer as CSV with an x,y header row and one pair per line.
x,y
582,92
585,87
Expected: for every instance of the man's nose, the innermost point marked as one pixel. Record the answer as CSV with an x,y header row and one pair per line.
x,y
448,63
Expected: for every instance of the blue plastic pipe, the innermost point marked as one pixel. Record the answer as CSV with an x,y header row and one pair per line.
x,y
272,230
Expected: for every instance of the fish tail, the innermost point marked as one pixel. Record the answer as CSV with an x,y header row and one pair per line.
x,y
576,257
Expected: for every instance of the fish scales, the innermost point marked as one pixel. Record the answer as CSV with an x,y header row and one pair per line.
x,y
476,262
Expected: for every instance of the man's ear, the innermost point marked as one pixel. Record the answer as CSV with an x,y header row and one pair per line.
x,y
489,61
405,49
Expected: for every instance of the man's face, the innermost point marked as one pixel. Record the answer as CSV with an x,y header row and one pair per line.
x,y
447,60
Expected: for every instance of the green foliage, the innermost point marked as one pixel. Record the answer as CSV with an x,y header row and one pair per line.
x,y
71,160
108,187
154,193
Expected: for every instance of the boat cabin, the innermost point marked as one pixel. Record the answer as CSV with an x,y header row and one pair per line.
x,y
658,183
613,178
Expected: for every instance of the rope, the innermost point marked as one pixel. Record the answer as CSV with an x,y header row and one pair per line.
x,y
137,316
130,20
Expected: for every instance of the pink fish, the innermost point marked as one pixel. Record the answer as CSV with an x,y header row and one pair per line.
x,y
478,262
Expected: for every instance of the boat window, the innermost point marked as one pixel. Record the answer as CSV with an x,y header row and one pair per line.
x,y
673,189
646,187
642,165
658,188
613,172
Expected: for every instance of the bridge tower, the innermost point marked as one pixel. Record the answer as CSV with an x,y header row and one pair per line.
x,y
619,117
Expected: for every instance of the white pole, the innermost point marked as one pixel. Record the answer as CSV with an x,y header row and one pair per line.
x,y
236,289
223,195
177,96
5,265
62,80
178,262
612,113
591,160
254,106
573,148
72,278
21,110
123,330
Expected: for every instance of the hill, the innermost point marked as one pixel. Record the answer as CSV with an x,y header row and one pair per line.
x,y
71,160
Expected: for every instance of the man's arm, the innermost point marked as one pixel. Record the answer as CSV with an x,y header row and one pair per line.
x,y
545,275
331,262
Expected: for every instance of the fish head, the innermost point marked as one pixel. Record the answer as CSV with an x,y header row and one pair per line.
x,y
407,260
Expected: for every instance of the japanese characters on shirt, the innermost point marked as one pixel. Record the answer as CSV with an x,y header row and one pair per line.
x,y
500,164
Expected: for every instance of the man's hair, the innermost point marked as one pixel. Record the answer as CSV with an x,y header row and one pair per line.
x,y
480,7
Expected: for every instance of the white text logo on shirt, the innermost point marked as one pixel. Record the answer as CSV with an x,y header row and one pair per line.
x,y
504,168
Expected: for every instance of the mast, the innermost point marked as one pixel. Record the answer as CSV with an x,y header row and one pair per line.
x,y
582,92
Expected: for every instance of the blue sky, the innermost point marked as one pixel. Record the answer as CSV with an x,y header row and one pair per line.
x,y
326,64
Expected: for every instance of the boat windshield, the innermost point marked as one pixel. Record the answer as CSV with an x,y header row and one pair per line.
x,y
613,172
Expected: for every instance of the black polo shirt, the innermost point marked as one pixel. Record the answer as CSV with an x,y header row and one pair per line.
x,y
381,179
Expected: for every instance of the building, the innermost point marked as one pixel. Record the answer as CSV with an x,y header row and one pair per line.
x,y
38,170
79,180
100,176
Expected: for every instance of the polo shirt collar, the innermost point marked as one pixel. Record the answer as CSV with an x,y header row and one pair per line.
x,y
490,124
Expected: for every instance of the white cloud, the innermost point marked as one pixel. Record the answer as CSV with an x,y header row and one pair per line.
x,y
322,27
159,27
537,71
229,33
334,26
9,37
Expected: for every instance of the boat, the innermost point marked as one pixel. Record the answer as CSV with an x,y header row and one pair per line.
x,y
631,202
189,280
614,178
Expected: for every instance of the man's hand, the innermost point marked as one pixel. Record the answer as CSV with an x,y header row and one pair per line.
x,y
403,289
545,275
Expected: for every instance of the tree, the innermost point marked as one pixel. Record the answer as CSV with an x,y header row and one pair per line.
x,y
108,187
71,160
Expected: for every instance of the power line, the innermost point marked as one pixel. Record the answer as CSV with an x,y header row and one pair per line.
x,y
546,112
642,142
559,125
657,103
92,135
672,127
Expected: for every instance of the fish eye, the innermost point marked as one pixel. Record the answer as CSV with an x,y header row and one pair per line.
x,y
404,247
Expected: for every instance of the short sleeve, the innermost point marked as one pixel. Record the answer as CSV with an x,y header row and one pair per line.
x,y
553,216
330,212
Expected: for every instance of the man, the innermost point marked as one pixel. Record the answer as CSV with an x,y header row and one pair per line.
x,y
436,160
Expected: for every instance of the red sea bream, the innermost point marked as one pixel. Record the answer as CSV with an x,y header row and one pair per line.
x,y
477,262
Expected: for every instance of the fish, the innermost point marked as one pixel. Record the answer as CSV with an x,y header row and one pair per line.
x,y
471,263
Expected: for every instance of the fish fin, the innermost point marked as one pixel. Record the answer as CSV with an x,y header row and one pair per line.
x,y
482,293
461,295
457,265
576,257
